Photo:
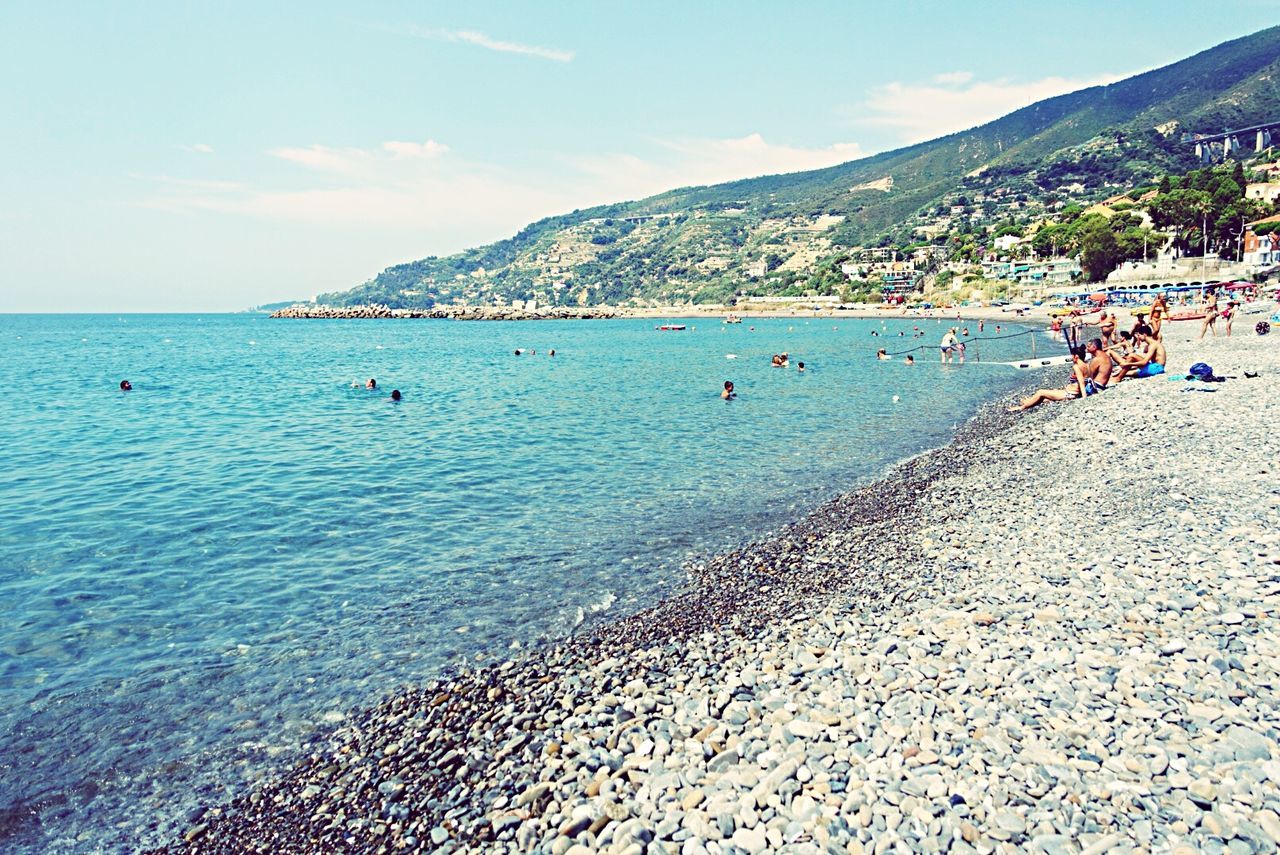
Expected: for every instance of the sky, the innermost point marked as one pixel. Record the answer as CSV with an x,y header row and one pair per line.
x,y
185,156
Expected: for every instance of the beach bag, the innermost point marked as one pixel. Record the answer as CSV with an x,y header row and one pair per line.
x,y
1200,371
1263,328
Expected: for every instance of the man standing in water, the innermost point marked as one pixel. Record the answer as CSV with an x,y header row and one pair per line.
x,y
728,394
948,344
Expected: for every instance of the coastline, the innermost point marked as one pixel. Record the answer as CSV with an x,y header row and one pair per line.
x,y
1032,314
633,734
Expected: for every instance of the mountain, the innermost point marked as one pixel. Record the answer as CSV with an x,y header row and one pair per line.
x,y
704,244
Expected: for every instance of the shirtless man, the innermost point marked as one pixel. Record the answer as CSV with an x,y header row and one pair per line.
x,y
1147,361
1107,327
1087,378
1097,373
1075,388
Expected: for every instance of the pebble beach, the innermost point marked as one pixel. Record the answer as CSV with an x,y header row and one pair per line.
x,y
1059,633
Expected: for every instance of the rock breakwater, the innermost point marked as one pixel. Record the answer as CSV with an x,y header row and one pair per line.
x,y
1058,634
457,313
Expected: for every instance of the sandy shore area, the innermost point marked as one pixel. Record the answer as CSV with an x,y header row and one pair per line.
x,y
1060,633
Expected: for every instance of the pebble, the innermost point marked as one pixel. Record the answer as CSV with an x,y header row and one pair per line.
x,y
932,663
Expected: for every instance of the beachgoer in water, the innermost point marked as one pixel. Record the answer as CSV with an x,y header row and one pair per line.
x,y
552,352
126,386
777,361
371,384
981,324
965,332
519,351
728,394
800,367
948,342
910,360
395,394
880,354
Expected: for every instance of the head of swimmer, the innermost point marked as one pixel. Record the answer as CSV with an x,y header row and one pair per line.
x,y
125,386
371,384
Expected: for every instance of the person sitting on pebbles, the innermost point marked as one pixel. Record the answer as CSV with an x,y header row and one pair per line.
x,y
1088,377
1147,360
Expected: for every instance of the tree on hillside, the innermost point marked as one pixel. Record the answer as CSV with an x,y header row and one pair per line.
x,y
1099,249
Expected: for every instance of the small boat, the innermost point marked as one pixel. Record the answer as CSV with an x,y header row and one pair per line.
x,y
671,327
1188,315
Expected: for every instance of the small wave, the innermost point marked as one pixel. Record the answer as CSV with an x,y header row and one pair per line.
x,y
605,602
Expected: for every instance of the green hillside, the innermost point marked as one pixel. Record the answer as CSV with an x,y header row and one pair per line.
x,y
703,244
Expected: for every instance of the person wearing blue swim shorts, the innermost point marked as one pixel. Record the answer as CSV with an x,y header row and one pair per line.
x,y
1147,360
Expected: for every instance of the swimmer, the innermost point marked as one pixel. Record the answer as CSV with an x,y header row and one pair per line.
x,y
372,384
395,394
126,386
910,360
800,367
552,353
728,394
519,351
880,354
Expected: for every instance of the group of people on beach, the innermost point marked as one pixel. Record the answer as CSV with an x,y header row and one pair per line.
x,y
1109,359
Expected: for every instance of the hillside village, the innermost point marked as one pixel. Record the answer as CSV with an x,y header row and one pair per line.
x,y
991,239
1110,183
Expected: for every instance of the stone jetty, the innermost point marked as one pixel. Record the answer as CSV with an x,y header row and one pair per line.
x,y
457,313
1058,634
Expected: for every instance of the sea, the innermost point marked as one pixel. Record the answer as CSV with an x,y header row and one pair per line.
x,y
199,574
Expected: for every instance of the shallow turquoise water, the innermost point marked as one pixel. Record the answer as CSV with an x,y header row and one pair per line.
x,y
197,573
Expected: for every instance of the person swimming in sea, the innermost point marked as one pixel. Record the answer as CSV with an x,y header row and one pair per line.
x,y
126,386
880,354
910,360
728,394
372,384
395,395
800,367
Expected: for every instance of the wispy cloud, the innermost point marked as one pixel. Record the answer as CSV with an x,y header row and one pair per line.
x,y
323,158
953,78
690,162
955,101
428,149
198,148
478,39
409,189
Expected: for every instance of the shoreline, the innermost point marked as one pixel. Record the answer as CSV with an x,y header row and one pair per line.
x,y
738,592
653,731
1033,314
